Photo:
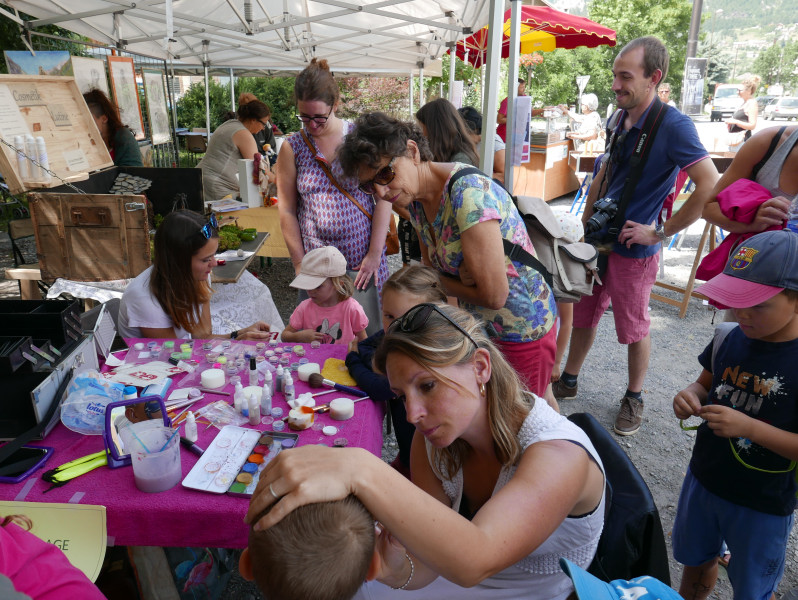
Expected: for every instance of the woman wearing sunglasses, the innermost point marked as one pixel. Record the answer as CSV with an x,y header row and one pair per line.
x,y
171,299
461,232
502,485
232,141
318,205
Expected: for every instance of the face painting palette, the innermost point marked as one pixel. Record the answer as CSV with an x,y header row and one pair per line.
x,y
233,463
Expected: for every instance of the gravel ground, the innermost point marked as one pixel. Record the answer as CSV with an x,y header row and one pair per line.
x,y
660,450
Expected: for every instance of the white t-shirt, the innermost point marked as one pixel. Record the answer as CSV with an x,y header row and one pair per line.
x,y
140,308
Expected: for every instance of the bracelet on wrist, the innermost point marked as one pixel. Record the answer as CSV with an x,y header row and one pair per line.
x,y
410,577
234,335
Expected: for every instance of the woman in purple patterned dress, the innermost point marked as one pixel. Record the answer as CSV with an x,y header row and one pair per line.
x,y
313,211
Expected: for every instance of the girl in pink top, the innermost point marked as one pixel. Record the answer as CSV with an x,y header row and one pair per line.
x,y
330,315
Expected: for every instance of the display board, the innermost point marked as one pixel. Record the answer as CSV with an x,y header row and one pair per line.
x,y
155,93
90,74
51,62
126,95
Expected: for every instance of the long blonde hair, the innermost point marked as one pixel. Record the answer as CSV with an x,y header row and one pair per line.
x,y
437,344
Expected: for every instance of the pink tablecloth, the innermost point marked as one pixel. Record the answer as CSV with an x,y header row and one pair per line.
x,y
180,516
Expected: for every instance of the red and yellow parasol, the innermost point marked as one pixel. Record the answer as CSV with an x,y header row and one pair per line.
x,y
542,30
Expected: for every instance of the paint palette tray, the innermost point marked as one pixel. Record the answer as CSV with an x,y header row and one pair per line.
x,y
232,464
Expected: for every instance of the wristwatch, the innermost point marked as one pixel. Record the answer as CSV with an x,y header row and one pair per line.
x,y
659,230
234,334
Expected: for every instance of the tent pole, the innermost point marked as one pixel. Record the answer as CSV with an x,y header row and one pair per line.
x,y
512,90
207,103
232,92
410,82
492,75
452,64
421,98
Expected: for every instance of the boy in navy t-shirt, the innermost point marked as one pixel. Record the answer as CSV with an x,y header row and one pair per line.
x,y
741,484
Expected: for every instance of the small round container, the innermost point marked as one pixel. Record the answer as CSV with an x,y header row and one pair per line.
x,y
315,344
299,350
232,370
222,360
294,366
277,412
207,346
185,347
287,349
186,355
211,357
138,346
303,360
235,379
260,346
267,420
154,353
278,425
176,356
248,354
279,350
226,344
273,360
240,363
285,359
273,343
259,359
151,345
268,353
168,345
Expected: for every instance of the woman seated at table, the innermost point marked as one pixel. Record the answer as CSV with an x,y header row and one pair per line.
x,y
585,127
502,485
121,144
265,135
171,299
461,228
232,141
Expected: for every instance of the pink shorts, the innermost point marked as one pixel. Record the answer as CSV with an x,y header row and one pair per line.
x,y
628,283
533,361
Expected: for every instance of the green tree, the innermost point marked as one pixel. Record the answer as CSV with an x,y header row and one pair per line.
x,y
669,20
367,94
278,94
768,64
191,107
11,38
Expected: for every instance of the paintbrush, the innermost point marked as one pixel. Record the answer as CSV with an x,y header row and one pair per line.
x,y
323,408
316,380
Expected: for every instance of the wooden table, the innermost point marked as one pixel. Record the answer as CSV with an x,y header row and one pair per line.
x,y
263,218
547,174
232,270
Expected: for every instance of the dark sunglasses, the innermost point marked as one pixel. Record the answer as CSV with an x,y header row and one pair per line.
x,y
319,120
383,177
415,318
207,229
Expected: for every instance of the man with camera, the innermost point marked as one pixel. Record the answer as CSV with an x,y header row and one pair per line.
x,y
647,144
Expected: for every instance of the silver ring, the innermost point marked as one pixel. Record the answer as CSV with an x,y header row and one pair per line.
x,y
271,490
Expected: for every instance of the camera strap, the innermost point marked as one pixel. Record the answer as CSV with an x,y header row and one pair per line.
x,y
637,161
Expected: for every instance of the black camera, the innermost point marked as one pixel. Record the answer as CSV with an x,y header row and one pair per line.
x,y
604,210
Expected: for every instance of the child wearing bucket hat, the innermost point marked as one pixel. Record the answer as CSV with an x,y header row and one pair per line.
x,y
741,484
330,315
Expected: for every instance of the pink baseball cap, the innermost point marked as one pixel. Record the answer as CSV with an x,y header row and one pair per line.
x,y
761,267
317,266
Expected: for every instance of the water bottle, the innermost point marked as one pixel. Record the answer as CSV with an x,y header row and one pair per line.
x,y
792,216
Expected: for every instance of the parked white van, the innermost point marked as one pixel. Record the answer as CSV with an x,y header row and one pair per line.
x,y
725,101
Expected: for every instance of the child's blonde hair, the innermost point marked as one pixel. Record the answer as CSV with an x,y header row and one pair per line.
x,y
343,286
423,282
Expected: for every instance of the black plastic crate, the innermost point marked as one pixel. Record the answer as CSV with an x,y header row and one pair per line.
x,y
55,320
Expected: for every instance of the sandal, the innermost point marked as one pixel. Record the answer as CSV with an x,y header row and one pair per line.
x,y
723,561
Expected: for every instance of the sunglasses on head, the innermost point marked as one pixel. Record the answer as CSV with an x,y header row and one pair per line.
x,y
415,318
383,177
207,229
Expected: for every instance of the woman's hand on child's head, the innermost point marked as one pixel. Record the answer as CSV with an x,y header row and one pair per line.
x,y
686,404
727,422
391,556
302,476
256,331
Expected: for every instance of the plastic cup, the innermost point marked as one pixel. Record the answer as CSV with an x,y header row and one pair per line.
x,y
159,469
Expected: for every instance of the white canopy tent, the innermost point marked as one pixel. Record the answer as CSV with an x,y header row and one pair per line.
x,y
390,37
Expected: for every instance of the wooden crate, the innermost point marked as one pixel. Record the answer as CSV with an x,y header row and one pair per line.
x,y
90,237
53,108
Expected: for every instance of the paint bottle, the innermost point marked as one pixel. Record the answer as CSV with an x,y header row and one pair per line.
x,y
254,409
41,156
266,398
279,380
30,151
268,381
253,371
289,391
191,427
238,398
130,393
22,162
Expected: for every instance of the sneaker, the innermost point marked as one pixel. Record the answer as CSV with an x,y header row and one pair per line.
x,y
562,391
630,416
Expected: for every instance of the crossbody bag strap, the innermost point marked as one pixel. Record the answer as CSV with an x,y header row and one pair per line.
x,y
638,161
771,149
326,168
